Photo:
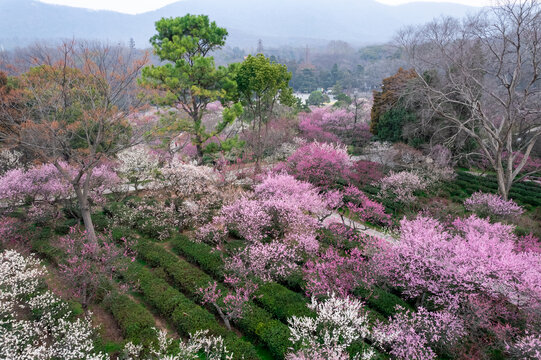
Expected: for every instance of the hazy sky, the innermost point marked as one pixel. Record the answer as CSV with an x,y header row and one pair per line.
x,y
139,6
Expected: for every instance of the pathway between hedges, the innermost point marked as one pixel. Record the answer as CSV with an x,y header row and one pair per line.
x,y
336,217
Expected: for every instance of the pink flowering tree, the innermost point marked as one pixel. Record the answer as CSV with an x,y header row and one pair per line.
x,y
367,172
473,256
363,208
401,186
471,268
8,231
87,264
230,305
321,164
45,187
333,126
278,222
492,205
332,272
418,335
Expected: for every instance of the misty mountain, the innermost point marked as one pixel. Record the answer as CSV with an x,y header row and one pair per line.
x,y
277,22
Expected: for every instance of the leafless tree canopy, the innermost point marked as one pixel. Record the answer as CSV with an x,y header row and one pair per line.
x,y
481,75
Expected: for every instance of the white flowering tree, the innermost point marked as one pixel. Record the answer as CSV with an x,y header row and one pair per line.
x,y
338,324
50,333
138,165
211,347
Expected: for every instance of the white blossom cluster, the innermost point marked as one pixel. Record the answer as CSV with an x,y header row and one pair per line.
x,y
35,325
212,347
338,324
138,165
9,160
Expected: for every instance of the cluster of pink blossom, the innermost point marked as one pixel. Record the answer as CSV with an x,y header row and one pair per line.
x,y
528,243
401,186
8,231
45,184
365,209
492,205
332,272
278,220
338,126
366,172
230,305
474,256
321,164
416,335
471,268
88,263
268,262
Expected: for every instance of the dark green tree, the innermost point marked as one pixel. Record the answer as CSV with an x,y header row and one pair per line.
x,y
190,79
317,98
261,84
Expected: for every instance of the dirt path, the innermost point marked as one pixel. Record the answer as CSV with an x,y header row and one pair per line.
x,y
335,217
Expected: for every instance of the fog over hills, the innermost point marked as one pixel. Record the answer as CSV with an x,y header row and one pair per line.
x,y
277,22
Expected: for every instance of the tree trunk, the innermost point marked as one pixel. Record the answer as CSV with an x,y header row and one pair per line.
x,y
503,186
222,315
84,207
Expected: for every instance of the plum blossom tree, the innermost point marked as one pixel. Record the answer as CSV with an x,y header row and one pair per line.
x,y
493,206
338,323
230,305
333,273
88,263
417,335
76,103
361,206
138,165
51,333
321,164
402,185
472,257
199,343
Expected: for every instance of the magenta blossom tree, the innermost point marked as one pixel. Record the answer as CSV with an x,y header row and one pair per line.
x,y
332,272
88,264
492,205
229,305
321,164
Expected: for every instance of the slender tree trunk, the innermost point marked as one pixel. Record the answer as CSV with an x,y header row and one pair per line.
x,y
222,315
84,207
503,186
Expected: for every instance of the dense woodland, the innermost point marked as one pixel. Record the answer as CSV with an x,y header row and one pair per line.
x,y
176,206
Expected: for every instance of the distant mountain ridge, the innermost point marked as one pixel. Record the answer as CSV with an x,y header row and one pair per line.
x,y
277,22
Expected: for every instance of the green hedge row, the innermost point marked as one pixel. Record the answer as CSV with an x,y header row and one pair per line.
x,y
135,321
280,301
256,322
184,314
380,300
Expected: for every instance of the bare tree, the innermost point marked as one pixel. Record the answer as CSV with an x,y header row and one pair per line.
x,y
481,75
74,107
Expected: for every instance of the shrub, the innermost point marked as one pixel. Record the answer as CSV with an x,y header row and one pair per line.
x,y
135,321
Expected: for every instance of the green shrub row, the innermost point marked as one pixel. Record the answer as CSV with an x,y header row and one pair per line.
x,y
380,300
184,314
135,321
256,323
280,301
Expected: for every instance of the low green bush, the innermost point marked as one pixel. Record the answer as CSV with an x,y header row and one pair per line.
x,y
380,300
135,321
189,278
185,315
